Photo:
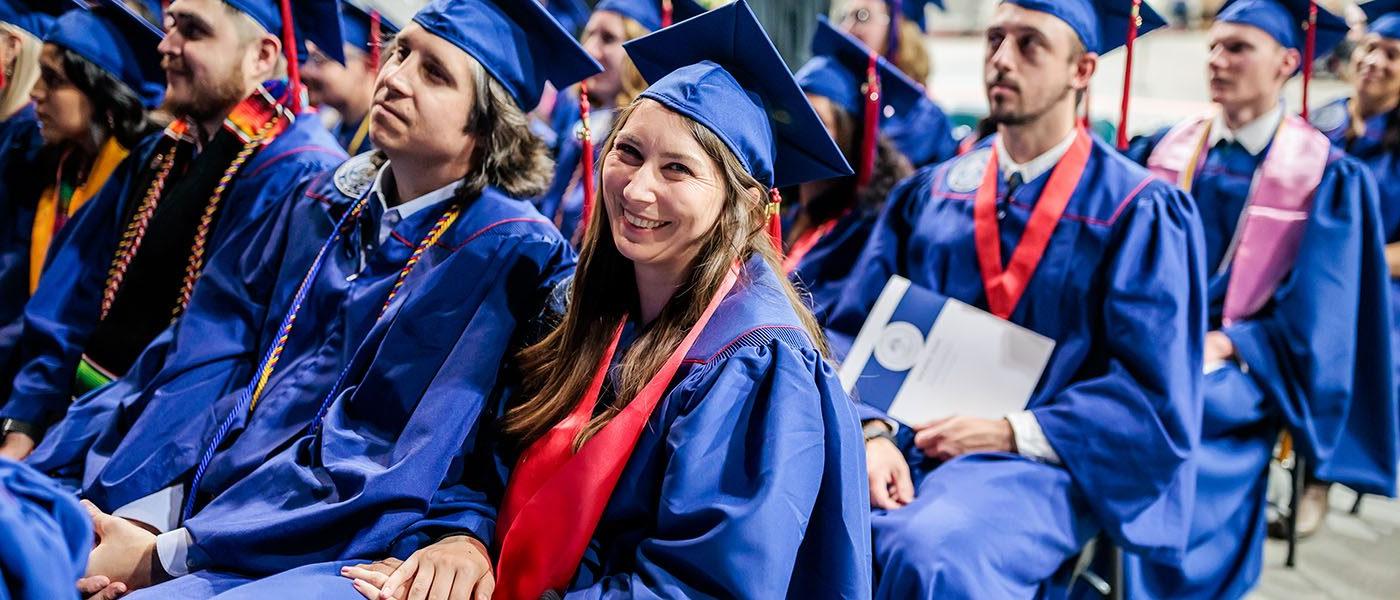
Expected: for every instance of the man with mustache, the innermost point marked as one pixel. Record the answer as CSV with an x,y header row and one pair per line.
x,y
1053,230
128,263
1299,296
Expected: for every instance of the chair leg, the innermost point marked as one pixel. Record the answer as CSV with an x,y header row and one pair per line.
x,y
1295,497
1356,507
1115,573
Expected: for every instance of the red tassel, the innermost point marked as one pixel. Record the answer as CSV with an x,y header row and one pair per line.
x,y
375,24
1133,24
775,220
667,13
3,81
866,168
289,49
1084,118
1309,54
586,174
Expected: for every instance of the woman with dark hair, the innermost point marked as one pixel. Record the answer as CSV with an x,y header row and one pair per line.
x,y
826,229
98,75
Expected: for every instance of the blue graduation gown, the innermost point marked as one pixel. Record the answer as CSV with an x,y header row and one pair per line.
x,y
392,466
19,141
749,479
822,273
64,313
1318,363
45,536
1121,290
1334,120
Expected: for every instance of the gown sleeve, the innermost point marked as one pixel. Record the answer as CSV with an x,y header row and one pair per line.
x,y
45,536
763,487
1126,434
205,355
1320,350
399,460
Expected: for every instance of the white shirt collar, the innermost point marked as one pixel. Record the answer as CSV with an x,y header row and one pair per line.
x,y
393,216
1254,136
1034,167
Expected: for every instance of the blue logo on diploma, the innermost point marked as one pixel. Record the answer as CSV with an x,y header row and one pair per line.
x,y
922,356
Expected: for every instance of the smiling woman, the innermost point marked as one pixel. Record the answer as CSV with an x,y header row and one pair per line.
x,y
713,386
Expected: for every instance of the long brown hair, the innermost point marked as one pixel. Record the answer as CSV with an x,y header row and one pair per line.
x,y
557,370
912,56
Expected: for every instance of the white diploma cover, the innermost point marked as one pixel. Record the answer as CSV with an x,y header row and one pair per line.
x,y
936,357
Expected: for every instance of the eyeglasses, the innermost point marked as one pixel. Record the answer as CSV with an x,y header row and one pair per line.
x,y
863,15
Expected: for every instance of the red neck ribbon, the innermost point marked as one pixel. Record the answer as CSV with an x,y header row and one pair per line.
x,y
1004,287
556,496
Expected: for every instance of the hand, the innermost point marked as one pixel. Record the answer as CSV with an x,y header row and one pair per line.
x,y
370,578
888,472
125,552
100,588
946,439
1218,347
456,567
17,446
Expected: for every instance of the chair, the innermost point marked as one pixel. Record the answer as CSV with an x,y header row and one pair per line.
x,y
1100,566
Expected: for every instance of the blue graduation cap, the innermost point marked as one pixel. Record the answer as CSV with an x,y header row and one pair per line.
x,y
517,41
1383,17
914,10
357,25
1102,25
315,20
1285,21
117,40
722,70
837,71
652,14
572,14
840,70
35,16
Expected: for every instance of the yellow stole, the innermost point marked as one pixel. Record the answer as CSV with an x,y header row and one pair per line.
x,y
46,214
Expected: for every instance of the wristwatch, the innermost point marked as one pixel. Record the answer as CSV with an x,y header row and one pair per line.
x,y
8,426
875,429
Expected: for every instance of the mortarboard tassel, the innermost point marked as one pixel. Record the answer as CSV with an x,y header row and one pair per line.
x,y
1133,24
775,220
1084,118
892,43
1309,53
375,20
586,173
871,130
289,49
667,13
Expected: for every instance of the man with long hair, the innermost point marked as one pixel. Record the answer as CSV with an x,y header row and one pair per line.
x,y
127,264
346,352
1048,228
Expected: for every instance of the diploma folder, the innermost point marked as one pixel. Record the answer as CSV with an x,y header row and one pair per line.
x,y
922,356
